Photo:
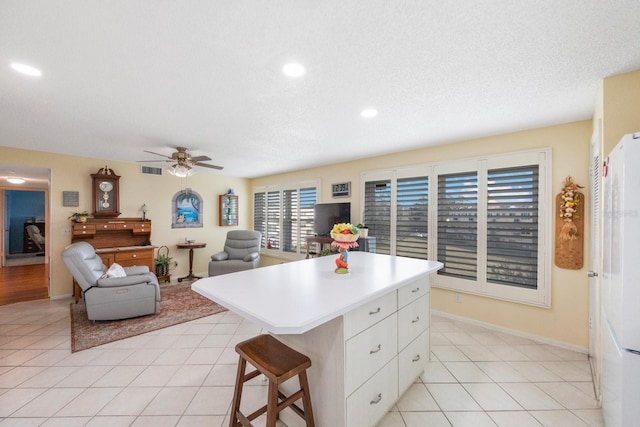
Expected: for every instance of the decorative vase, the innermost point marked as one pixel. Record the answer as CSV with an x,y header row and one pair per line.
x,y
364,233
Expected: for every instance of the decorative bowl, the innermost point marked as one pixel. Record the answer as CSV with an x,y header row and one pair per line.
x,y
344,237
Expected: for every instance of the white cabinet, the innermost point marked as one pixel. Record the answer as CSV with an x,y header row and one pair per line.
x,y
372,401
386,349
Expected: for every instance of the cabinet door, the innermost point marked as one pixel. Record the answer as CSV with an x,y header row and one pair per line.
x,y
412,320
369,351
412,361
228,209
373,400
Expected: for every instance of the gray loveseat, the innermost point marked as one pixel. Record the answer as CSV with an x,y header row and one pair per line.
x,y
241,252
136,294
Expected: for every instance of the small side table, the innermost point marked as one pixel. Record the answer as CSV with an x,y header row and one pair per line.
x,y
191,247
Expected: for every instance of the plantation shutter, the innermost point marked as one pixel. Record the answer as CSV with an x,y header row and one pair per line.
x,y
377,213
308,198
512,226
260,216
412,197
290,221
458,224
273,219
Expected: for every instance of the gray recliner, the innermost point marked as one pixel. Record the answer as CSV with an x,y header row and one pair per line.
x,y
136,294
241,252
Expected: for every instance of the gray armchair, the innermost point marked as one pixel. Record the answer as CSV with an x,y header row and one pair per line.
x,y
112,298
241,252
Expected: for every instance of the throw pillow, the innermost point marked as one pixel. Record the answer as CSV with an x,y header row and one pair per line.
x,y
115,270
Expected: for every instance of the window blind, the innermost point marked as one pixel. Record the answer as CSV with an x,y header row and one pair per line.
x,y
273,220
512,226
260,216
412,203
377,213
458,224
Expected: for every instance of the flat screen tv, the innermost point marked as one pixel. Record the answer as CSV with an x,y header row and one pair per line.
x,y
325,215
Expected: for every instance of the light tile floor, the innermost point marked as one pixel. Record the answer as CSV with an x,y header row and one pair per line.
x,y
184,375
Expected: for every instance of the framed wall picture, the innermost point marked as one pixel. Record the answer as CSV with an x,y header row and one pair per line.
x,y
186,208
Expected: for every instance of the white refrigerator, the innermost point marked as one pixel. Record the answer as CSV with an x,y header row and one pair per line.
x,y
621,285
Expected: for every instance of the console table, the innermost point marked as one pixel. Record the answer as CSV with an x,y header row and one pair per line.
x,y
366,332
191,247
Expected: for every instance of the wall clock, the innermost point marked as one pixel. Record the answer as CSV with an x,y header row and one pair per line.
x,y
106,203
341,189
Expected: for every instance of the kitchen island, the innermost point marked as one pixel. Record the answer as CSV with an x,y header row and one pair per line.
x,y
366,332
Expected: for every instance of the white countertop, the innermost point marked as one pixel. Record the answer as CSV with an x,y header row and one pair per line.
x,y
295,297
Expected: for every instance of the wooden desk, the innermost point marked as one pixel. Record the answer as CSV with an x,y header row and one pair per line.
x,y
366,332
126,241
191,247
321,240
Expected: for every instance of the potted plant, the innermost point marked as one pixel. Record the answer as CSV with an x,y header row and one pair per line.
x,y
162,265
364,230
79,216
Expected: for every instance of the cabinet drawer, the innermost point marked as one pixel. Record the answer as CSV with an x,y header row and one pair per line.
x,y
412,361
106,227
84,229
369,351
370,313
142,228
123,226
371,402
412,320
413,291
130,258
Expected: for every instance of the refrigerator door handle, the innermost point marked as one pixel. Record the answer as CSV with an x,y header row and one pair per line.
x,y
592,274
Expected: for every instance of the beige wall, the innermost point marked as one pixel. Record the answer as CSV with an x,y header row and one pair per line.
x,y
567,319
620,106
71,173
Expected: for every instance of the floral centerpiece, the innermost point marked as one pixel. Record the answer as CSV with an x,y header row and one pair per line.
x,y
345,232
570,196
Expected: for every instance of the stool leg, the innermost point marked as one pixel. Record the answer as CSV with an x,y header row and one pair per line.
x,y
306,399
272,404
237,394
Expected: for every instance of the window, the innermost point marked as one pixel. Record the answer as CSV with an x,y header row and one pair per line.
x,y
486,219
284,215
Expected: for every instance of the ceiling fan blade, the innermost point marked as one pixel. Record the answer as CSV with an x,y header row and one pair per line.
x,y
205,165
154,161
200,158
157,154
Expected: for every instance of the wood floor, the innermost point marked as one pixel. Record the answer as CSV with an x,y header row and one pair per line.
x,y
23,283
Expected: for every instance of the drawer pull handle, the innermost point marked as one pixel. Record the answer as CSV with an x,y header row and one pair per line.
x,y
374,312
376,400
376,350
416,320
415,359
134,255
413,291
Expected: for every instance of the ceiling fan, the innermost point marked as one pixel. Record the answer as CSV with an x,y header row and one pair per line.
x,y
183,162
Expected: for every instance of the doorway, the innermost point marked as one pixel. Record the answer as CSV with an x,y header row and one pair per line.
x,y
24,236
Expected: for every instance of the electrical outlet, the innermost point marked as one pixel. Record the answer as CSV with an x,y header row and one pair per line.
x,y
458,298
66,231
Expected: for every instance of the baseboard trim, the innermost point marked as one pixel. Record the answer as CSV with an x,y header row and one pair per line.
x,y
542,340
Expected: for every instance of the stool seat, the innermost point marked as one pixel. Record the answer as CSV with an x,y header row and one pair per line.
x,y
278,363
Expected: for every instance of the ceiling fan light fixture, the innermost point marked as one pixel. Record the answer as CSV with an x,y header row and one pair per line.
x,y
181,171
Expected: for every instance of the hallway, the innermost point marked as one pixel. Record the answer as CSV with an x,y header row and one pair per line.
x,y
23,283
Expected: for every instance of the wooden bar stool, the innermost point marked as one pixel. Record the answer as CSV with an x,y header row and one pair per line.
x,y
278,363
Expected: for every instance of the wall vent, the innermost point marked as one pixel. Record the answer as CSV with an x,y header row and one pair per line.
x,y
150,170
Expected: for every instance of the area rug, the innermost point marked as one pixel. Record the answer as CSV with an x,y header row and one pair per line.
x,y
178,304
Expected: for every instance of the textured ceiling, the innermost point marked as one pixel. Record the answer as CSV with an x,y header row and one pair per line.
x,y
120,77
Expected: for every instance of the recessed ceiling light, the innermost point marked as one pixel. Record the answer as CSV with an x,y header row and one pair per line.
x,y
369,112
26,69
293,69
16,180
